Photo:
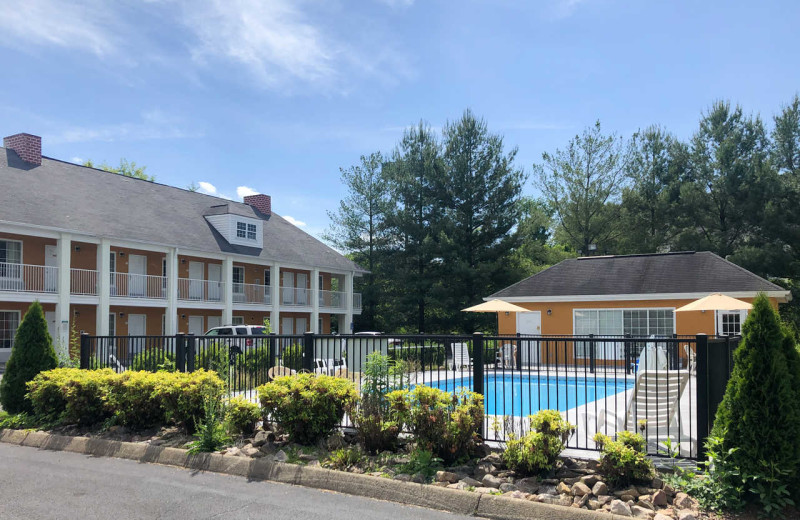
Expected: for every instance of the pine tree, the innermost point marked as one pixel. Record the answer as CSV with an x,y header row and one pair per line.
x,y
32,353
760,413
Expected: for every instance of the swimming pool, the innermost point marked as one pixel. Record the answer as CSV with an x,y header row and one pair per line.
x,y
523,395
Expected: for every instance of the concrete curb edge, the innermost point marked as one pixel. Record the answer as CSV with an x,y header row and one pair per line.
x,y
407,493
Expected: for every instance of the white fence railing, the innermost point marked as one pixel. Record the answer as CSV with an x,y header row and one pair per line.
x,y
252,293
126,285
295,296
190,289
28,278
332,299
83,281
357,301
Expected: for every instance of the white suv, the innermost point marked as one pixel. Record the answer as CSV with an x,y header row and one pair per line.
x,y
238,330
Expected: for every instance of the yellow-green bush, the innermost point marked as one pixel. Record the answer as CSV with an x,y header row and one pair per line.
x,y
71,396
307,406
133,399
183,395
624,461
241,416
538,450
442,423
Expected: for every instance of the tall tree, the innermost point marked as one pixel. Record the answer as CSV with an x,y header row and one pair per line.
x,y
728,182
358,228
128,169
656,163
479,194
583,183
537,249
786,139
414,223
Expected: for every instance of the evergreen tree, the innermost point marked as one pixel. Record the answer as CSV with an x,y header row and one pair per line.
x,y
479,194
760,413
32,353
786,139
537,250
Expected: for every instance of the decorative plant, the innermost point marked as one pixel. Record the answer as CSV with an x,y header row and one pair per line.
x,y
624,461
538,450
241,416
210,434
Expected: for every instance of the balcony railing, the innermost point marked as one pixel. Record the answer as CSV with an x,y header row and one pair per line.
x,y
295,296
332,299
83,281
28,278
190,289
252,293
126,285
357,301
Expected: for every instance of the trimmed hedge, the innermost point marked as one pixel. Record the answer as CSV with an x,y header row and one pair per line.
x,y
135,399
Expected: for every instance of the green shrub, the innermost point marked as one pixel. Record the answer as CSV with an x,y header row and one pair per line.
x,y
19,421
759,417
32,353
183,395
293,357
134,400
624,461
343,458
427,356
241,416
422,461
71,396
210,433
307,406
538,450
443,423
215,358
375,430
154,359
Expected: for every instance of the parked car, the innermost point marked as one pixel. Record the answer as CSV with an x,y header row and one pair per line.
x,y
250,334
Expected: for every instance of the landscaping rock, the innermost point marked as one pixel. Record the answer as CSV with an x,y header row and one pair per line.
x,y
669,490
599,489
555,500
528,485
268,449
683,501
563,489
418,478
590,480
605,499
687,514
580,501
233,451
566,473
446,476
281,456
333,442
659,498
469,481
593,465
483,469
251,451
580,489
402,477
646,503
593,504
548,490
627,498
642,512
262,437
631,491
660,516
495,459
485,490
657,483
507,487
618,507
516,494
491,481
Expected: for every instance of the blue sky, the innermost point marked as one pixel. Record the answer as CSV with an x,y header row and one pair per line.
x,y
274,96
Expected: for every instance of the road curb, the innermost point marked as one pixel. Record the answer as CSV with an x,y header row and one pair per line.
x,y
431,497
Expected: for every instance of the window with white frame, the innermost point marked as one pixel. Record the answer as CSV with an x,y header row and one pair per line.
x,y
10,258
617,322
9,322
237,320
238,279
730,323
246,231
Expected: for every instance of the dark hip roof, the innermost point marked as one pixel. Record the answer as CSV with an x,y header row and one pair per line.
x,y
75,198
687,272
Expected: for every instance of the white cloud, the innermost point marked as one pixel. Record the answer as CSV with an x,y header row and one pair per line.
x,y
83,25
153,125
76,160
294,221
244,191
207,188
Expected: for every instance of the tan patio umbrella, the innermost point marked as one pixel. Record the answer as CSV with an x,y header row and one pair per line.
x,y
496,306
716,302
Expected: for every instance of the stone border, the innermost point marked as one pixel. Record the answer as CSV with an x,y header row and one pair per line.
x,y
407,493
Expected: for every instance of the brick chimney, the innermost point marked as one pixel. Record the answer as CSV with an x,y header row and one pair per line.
x,y
27,146
262,203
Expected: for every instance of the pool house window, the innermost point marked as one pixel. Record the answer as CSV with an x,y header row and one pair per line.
x,y
618,322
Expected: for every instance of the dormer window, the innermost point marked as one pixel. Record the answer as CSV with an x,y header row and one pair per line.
x,y
246,231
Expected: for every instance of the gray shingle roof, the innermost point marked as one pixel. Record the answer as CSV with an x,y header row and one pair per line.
x,y
686,272
63,195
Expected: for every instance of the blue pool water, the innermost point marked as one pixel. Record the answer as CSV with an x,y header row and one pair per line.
x,y
523,395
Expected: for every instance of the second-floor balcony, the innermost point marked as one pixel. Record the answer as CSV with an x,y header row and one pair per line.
x,y
335,300
28,278
83,282
357,302
201,290
129,285
295,296
251,293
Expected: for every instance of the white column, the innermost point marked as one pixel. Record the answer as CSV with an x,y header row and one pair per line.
x,y
103,286
227,286
275,297
64,252
171,316
315,293
348,317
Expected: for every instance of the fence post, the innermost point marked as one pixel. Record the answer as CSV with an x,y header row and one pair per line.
x,y
191,352
477,370
271,356
180,352
592,354
85,347
308,351
627,348
701,370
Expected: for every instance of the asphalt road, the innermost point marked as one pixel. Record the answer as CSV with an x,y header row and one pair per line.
x,y
48,484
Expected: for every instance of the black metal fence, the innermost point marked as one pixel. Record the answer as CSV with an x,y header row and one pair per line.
x,y
662,387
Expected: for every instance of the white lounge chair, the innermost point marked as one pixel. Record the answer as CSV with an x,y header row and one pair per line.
x,y
460,356
507,356
279,371
655,397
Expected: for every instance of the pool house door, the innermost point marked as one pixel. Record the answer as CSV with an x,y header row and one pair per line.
x,y
529,324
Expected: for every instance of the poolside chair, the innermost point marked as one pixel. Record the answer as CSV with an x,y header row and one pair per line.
x,y
655,397
691,359
279,371
506,356
460,356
